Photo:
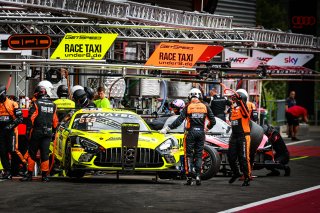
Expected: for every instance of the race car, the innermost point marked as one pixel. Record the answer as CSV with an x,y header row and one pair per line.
x,y
216,147
113,140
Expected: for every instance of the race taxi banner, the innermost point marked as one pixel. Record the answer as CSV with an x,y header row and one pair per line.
x,y
261,56
84,46
290,59
238,60
181,54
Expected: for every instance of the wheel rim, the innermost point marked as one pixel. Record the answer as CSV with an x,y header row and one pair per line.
x,y
206,162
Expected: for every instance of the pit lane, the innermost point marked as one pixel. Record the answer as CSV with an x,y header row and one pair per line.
x,y
143,194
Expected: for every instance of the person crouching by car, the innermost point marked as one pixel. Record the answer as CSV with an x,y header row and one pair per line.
x,y
41,127
195,114
239,144
282,155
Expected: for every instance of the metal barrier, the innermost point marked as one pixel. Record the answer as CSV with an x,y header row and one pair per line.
x,y
276,112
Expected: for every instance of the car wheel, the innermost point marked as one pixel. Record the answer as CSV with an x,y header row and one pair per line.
x,y
210,162
67,164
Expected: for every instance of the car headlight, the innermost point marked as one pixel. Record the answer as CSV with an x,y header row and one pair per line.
x,y
87,145
168,145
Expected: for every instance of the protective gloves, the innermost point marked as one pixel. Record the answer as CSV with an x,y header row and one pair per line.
x,y
164,130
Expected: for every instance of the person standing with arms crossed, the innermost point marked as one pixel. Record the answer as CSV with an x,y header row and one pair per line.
x,y
195,114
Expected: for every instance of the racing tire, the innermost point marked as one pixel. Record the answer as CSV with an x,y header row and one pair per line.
x,y
211,162
67,164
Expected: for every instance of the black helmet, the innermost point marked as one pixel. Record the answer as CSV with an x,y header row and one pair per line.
x,y
62,91
3,93
80,97
90,92
267,129
39,92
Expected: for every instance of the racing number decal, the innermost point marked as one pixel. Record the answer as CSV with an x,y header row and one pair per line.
x,y
87,120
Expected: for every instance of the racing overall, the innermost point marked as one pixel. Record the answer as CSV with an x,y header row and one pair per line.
x,y
64,106
10,117
42,124
239,144
195,114
282,155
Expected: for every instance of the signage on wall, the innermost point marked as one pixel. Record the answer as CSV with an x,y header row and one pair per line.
x,y
84,46
181,54
290,59
299,22
29,42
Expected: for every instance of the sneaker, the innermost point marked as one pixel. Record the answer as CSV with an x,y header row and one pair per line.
x,y
198,181
274,173
189,181
246,182
295,139
287,171
7,176
234,178
27,177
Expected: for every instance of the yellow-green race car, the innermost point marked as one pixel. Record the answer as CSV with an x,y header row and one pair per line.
x,y
101,140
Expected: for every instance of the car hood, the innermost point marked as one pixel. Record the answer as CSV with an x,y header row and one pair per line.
x,y
109,139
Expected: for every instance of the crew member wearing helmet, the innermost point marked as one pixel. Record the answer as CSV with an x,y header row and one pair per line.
x,y
49,88
282,155
239,144
41,128
64,105
81,99
10,117
177,106
195,114
90,93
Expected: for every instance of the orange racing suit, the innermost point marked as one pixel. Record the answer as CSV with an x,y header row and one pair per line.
x,y
239,144
42,124
195,114
10,117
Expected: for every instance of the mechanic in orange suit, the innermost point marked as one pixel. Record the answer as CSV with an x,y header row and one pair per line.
x,y
239,144
195,114
10,117
41,127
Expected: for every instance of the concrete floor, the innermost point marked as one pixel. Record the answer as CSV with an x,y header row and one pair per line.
x,y
142,194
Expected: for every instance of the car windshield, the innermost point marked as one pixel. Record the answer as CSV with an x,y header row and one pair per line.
x,y
97,121
220,127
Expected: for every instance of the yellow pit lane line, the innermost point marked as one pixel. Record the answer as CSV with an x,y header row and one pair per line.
x,y
299,158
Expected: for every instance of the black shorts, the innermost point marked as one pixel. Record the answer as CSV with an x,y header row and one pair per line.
x,y
292,120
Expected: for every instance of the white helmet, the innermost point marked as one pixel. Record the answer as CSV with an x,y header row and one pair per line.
x,y
195,93
75,88
244,94
48,86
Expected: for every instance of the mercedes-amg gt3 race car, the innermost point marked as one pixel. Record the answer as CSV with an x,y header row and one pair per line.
x,y
113,140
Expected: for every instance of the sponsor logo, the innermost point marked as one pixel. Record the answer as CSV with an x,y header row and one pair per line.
x,y
237,60
290,60
29,42
303,21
